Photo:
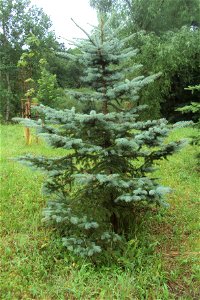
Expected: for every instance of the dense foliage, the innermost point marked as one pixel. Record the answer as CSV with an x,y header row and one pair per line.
x,y
167,36
176,55
194,108
25,35
109,162
152,15
165,43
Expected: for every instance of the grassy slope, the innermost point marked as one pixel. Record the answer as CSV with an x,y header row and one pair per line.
x,y
161,262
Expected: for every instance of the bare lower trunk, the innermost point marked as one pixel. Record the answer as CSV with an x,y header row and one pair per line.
x,y
8,97
105,107
115,223
7,110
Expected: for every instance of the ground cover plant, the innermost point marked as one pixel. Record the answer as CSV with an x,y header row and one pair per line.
x,y
161,260
107,169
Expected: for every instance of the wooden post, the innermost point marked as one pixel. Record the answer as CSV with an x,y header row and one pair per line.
x,y
26,113
27,135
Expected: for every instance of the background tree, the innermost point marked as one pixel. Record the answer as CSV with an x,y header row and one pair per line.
x,y
39,83
108,166
194,108
9,24
18,19
103,6
164,45
48,91
152,15
28,65
176,54
73,71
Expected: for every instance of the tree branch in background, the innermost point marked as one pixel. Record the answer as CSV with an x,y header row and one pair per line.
x,y
84,32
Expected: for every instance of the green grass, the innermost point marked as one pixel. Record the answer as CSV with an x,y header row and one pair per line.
x,y
160,262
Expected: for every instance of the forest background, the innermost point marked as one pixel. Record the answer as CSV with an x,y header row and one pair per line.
x,y
33,62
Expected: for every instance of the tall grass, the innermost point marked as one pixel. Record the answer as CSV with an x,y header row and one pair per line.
x,y
161,261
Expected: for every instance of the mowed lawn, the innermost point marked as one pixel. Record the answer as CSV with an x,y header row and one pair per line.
x,y
162,260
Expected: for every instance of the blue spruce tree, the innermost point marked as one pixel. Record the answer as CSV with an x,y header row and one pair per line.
x,y
109,161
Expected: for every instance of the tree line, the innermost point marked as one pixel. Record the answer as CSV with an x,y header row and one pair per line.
x,y
166,34
28,55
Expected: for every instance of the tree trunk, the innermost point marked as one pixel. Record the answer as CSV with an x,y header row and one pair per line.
x,y
5,44
8,97
114,222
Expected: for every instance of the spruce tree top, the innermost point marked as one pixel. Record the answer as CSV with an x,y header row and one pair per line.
x,y
107,65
